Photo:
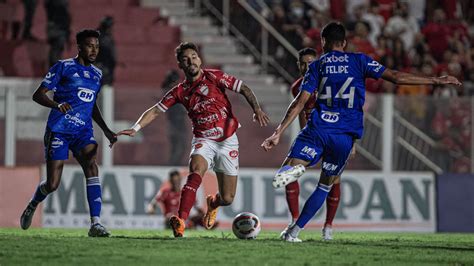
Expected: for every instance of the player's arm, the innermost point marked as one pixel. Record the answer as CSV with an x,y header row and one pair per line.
x,y
97,116
302,119
150,208
146,118
40,97
258,114
403,78
293,110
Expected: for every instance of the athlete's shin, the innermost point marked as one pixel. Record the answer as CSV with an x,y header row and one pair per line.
x,y
94,198
188,195
292,198
332,202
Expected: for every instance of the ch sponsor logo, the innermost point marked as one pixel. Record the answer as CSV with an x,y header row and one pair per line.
x,y
75,119
213,133
56,143
86,95
336,59
309,151
329,166
204,89
330,117
234,154
87,75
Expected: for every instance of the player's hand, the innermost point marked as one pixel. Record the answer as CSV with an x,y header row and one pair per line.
x,y
112,137
150,209
129,132
261,117
64,107
448,80
273,140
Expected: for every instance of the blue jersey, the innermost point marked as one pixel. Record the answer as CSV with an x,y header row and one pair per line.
x,y
339,79
77,85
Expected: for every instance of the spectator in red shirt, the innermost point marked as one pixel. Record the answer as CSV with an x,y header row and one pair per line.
x,y
437,34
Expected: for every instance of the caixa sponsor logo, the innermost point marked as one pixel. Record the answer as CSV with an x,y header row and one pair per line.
x,y
213,133
330,117
86,95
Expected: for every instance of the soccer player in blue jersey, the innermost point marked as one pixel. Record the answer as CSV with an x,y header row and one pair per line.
x,y
337,119
76,84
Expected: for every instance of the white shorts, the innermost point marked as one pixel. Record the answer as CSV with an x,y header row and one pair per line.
x,y
222,157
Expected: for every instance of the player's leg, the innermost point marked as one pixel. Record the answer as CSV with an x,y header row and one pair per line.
x,y
332,202
227,169
227,188
336,154
302,154
201,156
84,148
56,151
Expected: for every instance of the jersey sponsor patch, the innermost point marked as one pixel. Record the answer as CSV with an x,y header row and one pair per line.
x,y
85,94
309,151
330,117
213,133
56,143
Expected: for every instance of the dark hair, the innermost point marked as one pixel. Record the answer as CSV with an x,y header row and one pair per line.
x,y
334,33
82,35
183,47
173,173
306,51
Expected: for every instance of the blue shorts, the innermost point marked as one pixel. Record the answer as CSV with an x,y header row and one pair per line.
x,y
57,145
311,145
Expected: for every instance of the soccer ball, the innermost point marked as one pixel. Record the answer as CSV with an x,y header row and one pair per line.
x,y
246,225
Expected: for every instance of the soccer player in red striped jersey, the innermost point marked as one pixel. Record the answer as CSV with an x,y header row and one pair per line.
x,y
215,144
305,57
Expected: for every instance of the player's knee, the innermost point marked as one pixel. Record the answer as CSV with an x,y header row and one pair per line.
x,y
227,199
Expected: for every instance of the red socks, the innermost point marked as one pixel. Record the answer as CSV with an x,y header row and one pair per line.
x,y
188,195
292,198
332,202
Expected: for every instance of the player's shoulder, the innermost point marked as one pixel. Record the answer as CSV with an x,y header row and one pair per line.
x,y
96,70
65,63
212,73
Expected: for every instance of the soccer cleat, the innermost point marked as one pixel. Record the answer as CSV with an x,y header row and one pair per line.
x,y
177,225
287,176
27,217
98,230
282,234
289,238
210,217
327,233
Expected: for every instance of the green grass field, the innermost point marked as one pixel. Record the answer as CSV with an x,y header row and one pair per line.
x,y
72,246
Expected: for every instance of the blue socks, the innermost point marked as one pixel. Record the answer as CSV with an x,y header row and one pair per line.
x,y
40,194
313,204
94,198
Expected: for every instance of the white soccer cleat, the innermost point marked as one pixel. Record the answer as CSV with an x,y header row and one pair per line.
x,y
288,176
289,238
282,234
327,233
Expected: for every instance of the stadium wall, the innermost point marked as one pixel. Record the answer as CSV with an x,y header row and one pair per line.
x,y
16,188
371,201
455,203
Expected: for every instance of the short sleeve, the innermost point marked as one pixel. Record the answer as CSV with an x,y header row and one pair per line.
x,y
53,77
226,81
372,68
311,78
168,100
